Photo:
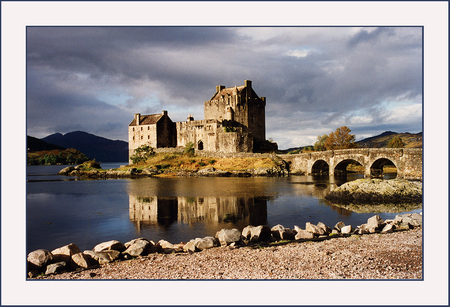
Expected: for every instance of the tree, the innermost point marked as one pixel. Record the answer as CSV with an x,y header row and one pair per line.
x,y
395,142
320,144
340,139
142,153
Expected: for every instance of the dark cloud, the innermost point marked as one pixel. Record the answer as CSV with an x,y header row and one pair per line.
x,y
315,78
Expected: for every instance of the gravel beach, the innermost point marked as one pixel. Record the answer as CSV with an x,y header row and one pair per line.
x,y
395,255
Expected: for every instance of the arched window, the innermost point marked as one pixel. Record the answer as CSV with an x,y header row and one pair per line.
x,y
200,145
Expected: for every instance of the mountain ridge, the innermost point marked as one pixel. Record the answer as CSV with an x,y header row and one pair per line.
x,y
95,147
411,140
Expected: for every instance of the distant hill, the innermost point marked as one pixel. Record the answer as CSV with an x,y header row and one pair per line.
x,y
35,144
410,140
95,147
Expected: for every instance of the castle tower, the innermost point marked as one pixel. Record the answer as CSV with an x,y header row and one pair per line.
x,y
241,105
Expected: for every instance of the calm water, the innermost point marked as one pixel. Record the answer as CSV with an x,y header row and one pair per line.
x,y
63,210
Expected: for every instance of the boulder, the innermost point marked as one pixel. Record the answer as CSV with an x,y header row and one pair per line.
x,y
247,232
346,229
287,234
81,260
66,170
38,259
150,171
137,247
316,230
227,236
280,232
303,234
414,220
190,246
109,245
375,223
257,233
65,253
363,229
260,233
102,257
326,229
339,226
205,243
166,247
276,231
388,228
56,268
33,273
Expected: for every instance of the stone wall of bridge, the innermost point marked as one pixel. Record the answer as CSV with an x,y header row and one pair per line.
x,y
408,161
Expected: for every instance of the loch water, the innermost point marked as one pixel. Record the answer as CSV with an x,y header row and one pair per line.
x,y
62,210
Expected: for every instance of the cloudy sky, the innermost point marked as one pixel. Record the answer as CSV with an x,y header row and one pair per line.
x,y
316,79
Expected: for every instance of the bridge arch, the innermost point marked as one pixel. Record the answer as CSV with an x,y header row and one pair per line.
x,y
341,167
376,168
320,167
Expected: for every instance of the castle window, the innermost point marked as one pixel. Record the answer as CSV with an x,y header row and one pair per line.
x,y
133,128
142,128
148,137
148,128
133,138
142,137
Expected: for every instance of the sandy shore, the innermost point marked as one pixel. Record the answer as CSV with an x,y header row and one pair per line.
x,y
396,255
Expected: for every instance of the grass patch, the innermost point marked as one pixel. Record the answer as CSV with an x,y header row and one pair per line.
x,y
184,162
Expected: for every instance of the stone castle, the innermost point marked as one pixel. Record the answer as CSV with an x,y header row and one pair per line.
x,y
234,122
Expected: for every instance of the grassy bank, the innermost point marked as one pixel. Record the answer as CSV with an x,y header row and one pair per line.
x,y
177,162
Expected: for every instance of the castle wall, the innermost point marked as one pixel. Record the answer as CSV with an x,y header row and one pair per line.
x,y
141,135
235,142
166,135
257,118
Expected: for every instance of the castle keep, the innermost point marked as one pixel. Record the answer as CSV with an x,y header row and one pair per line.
x,y
234,122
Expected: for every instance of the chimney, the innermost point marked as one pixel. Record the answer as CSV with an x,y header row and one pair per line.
x,y
219,88
164,112
137,117
248,89
190,118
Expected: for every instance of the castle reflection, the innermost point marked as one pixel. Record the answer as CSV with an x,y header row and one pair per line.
x,y
163,211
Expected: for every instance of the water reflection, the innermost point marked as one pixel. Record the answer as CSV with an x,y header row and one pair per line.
x,y
213,202
149,211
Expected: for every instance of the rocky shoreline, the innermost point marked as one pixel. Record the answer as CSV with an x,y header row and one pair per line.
x,y
377,191
132,172
44,264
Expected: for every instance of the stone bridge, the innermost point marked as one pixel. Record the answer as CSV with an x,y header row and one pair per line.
x,y
408,161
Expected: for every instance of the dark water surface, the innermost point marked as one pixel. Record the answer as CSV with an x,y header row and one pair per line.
x,y
63,210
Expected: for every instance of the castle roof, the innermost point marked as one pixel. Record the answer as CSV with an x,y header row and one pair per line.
x,y
228,91
147,119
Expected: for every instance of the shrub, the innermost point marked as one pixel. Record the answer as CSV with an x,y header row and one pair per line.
x,y
189,149
229,129
142,153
